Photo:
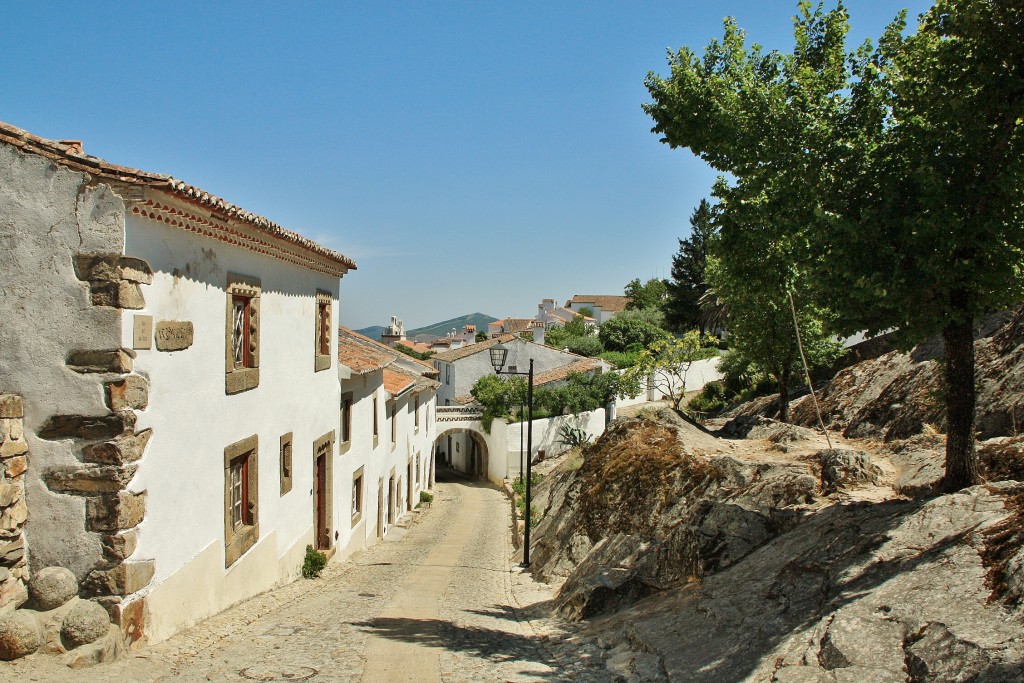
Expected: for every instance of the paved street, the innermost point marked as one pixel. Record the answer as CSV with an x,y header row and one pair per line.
x,y
439,601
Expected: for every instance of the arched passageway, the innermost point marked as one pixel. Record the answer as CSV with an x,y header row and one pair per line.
x,y
461,450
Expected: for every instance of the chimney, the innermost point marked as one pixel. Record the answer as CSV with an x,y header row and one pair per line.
x,y
538,333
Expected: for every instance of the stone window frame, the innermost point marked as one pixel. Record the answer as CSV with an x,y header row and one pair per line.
x,y
325,446
358,497
287,450
244,376
238,538
347,402
376,420
393,417
322,336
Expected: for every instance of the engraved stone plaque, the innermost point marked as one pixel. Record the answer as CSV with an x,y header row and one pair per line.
x,y
173,335
142,332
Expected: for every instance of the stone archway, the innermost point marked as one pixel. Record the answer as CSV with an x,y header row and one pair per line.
x,y
463,450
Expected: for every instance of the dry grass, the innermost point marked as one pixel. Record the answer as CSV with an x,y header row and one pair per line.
x,y
1002,541
629,475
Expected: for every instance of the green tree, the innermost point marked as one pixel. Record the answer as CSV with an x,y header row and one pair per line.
x,y
688,283
498,395
893,175
650,294
665,364
623,332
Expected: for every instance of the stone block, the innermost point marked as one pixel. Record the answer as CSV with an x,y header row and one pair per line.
x,y
13,594
115,360
9,493
124,579
112,268
15,515
113,512
11,406
92,427
117,295
12,437
15,466
174,335
118,547
128,393
90,479
12,552
126,448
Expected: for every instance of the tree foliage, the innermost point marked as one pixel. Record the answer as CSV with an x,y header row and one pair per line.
x,y
688,283
888,180
498,394
624,332
650,294
665,363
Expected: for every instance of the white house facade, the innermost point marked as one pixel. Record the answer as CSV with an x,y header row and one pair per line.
x,y
388,427
177,361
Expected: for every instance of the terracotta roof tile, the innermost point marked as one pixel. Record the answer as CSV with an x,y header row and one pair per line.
x,y
361,354
562,373
606,302
456,354
397,382
69,153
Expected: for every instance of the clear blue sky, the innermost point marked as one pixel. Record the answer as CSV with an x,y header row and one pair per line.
x,y
470,156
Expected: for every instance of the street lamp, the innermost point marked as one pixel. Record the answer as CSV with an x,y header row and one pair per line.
x,y
499,353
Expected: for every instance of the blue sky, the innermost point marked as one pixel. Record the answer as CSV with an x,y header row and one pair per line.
x,y
470,156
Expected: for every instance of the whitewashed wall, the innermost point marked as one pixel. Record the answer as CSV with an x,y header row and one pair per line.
x,y
193,420
505,440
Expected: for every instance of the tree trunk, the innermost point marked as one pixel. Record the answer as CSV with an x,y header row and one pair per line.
x,y
961,458
783,378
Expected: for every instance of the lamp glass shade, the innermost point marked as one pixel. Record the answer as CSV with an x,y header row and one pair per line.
x,y
499,352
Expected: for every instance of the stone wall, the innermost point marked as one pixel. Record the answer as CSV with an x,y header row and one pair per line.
x,y
65,285
13,507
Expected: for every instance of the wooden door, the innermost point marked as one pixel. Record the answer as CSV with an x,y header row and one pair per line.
x,y
323,540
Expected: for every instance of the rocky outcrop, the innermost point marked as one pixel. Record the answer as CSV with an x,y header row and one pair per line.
x,y
898,395
896,591
658,503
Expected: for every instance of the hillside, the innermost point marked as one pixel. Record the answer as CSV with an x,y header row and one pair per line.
x,y
437,329
445,326
759,552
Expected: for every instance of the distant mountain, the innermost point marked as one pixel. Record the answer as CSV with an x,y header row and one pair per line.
x,y
437,329
444,327
373,332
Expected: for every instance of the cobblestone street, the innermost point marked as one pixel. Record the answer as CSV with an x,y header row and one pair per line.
x,y
439,601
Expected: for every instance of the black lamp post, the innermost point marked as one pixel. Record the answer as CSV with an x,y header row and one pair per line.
x,y
499,353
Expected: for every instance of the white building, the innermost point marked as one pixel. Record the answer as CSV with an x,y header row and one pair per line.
x,y
388,420
458,370
176,356
604,306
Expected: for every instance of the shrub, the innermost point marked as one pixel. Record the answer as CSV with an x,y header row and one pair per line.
x,y
584,346
314,563
711,398
426,497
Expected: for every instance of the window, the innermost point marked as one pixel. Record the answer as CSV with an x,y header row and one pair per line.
x,y
394,425
416,413
417,469
357,496
242,334
286,463
447,374
346,418
241,509
322,343
376,420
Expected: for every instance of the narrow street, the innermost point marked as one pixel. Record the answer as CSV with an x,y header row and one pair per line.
x,y
438,601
